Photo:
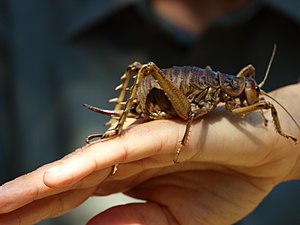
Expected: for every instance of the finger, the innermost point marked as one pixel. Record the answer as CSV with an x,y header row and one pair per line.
x,y
24,189
134,213
204,197
76,166
132,144
46,208
13,197
156,138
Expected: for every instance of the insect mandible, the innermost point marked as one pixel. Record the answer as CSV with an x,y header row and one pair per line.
x,y
186,92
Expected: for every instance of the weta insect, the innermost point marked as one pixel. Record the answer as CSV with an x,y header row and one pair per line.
x,y
186,92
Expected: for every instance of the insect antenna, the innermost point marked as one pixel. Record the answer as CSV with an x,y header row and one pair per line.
x,y
264,93
269,67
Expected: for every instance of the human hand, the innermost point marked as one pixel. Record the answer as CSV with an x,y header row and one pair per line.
x,y
227,168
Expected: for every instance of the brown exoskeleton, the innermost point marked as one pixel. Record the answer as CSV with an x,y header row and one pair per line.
x,y
186,92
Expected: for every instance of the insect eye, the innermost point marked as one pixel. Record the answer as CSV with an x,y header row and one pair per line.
x,y
133,109
257,89
252,91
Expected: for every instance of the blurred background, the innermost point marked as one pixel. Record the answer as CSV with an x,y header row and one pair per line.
x,y
56,55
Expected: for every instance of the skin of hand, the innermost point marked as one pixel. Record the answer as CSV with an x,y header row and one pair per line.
x,y
228,166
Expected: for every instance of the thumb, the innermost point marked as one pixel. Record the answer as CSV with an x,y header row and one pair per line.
x,y
134,213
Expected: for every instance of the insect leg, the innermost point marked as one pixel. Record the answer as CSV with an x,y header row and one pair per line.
x,y
144,70
264,118
185,138
133,68
265,105
113,122
179,101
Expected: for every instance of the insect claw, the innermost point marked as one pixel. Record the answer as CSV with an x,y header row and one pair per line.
x,y
92,136
294,139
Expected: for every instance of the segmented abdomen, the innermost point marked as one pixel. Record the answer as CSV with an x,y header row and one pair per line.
x,y
188,79
193,82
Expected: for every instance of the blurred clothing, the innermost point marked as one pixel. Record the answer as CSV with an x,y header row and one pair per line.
x,y
56,55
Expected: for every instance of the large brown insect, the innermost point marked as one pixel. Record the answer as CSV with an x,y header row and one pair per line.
x,y
186,92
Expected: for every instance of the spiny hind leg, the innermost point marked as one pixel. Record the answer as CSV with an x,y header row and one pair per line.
x,y
176,97
123,87
142,71
179,101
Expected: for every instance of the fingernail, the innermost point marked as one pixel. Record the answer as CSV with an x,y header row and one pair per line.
x,y
52,176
